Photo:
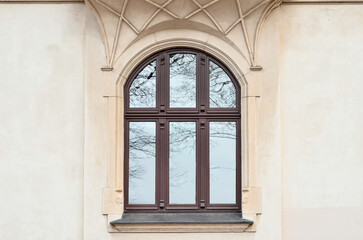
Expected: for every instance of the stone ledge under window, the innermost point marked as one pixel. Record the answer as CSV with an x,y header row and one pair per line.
x,y
181,222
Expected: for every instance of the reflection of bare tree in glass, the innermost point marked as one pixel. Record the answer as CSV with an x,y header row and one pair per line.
x,y
222,160
222,92
142,145
182,148
143,88
182,138
221,132
225,130
142,149
183,80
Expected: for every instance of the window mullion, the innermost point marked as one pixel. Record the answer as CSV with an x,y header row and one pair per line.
x,y
203,163
203,129
202,83
162,163
163,82
238,163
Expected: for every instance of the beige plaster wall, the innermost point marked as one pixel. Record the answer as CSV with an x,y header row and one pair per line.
x,y
95,168
54,145
322,127
268,142
41,121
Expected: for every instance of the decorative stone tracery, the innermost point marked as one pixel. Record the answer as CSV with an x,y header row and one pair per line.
x,y
122,21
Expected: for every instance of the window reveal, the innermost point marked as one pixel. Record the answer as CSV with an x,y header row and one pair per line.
x,y
182,134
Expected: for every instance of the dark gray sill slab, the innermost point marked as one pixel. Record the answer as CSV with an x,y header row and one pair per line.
x,y
181,218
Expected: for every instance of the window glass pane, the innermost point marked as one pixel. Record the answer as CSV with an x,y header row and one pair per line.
x,y
222,158
143,88
142,146
183,80
182,162
222,92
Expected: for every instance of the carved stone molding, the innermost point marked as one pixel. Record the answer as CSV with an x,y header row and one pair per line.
x,y
123,21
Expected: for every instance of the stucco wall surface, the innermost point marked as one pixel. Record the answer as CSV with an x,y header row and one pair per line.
x,y
322,127
55,116
42,121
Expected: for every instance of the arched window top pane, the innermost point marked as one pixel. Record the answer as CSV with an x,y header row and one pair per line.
x,y
222,92
143,89
183,87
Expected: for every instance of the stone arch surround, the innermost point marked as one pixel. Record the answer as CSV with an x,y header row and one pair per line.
x,y
132,57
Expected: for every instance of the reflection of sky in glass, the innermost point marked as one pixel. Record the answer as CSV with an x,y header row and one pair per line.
x,y
222,157
142,162
143,88
222,92
182,162
183,80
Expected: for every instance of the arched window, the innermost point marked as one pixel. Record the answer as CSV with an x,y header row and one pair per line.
x,y
182,134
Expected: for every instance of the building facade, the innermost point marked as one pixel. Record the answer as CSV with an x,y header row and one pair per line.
x,y
65,77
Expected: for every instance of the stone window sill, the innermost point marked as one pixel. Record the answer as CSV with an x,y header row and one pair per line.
x,y
180,222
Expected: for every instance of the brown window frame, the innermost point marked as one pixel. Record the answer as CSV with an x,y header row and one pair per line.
x,y
162,114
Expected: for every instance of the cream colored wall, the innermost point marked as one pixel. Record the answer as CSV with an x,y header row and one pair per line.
x,y
55,116
95,168
322,121
41,121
